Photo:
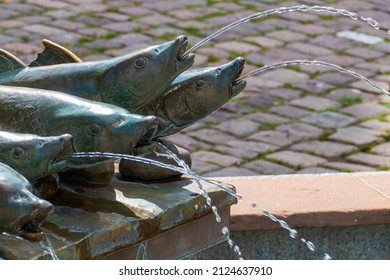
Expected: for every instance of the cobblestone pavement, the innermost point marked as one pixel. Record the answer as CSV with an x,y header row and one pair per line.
x,y
301,119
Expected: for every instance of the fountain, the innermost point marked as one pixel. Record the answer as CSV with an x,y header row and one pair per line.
x,y
108,187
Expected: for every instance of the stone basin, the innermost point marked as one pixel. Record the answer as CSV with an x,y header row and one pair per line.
x,y
128,220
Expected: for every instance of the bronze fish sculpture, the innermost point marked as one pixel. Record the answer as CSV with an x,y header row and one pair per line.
x,y
95,126
21,211
195,94
130,81
34,156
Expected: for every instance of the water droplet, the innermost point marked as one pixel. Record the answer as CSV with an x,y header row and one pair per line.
x,y
208,201
284,225
218,218
253,204
293,233
225,230
326,257
230,242
303,240
353,16
196,206
388,31
237,250
241,258
311,246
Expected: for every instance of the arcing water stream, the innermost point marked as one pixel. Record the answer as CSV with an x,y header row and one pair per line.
x,y
281,10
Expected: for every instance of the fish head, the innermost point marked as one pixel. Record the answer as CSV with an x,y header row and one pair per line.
x,y
106,128
196,94
22,211
31,155
133,80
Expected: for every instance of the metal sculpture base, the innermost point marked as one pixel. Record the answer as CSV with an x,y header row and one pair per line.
x,y
127,220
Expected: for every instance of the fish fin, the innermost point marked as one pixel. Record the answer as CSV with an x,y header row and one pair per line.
x,y
9,62
54,54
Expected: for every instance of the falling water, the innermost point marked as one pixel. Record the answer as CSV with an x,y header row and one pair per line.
x,y
281,10
48,246
182,168
315,63
293,233
142,253
168,153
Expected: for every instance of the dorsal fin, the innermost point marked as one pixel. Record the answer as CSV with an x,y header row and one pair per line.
x,y
9,62
54,54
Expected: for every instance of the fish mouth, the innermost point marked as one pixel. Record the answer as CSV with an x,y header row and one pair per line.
x,y
28,226
58,162
238,85
183,62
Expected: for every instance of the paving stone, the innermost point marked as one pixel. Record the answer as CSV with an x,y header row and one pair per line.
x,y
236,151
316,170
277,138
370,159
315,103
309,49
285,76
289,111
237,47
11,24
356,135
287,36
215,158
382,149
156,20
186,142
329,120
336,78
314,86
231,171
341,60
67,25
22,48
123,26
257,147
350,167
267,118
366,87
115,16
201,167
239,127
324,149
44,30
332,42
360,37
283,93
366,110
211,136
376,125
264,42
365,53
296,159
301,130
347,93
268,168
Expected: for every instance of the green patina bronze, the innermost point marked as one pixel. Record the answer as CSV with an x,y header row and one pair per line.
x,y
194,95
95,127
130,81
21,211
34,156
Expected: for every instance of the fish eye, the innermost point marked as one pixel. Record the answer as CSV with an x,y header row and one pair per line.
x,y
95,129
218,71
17,151
40,144
140,62
16,196
199,84
156,50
